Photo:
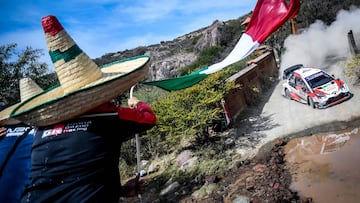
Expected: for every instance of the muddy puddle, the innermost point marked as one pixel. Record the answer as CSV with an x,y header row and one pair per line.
x,y
326,167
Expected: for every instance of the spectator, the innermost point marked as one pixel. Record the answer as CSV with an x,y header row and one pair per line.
x,y
77,160
15,144
75,153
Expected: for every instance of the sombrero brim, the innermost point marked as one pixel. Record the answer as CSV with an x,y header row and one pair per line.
x,y
53,106
5,118
28,89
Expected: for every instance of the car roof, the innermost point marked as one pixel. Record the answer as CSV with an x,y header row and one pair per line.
x,y
305,72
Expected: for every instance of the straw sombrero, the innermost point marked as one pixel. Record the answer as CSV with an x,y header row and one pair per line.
x,y
28,88
83,85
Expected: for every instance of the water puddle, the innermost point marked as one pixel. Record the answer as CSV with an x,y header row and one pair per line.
x,y
326,166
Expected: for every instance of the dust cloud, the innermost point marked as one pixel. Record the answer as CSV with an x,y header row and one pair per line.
x,y
319,43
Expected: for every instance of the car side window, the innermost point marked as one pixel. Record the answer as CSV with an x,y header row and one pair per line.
x,y
292,80
300,82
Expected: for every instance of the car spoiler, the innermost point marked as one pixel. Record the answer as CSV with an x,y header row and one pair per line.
x,y
291,69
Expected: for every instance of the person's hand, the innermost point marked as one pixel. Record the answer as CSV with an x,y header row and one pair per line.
x,y
133,187
132,102
2,132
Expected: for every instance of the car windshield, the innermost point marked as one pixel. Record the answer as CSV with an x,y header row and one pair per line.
x,y
318,79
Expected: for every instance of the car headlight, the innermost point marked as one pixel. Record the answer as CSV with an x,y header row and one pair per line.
x,y
344,88
320,96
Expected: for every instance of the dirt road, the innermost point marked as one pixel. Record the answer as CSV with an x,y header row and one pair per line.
x,y
278,117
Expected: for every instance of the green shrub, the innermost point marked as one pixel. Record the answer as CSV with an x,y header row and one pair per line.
x,y
353,68
185,114
196,38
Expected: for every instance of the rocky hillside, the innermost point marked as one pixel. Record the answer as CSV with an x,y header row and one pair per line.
x,y
168,57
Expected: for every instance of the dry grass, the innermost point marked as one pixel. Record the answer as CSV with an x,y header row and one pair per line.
x,y
352,69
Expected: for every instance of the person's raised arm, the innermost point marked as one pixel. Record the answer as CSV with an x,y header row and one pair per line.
x,y
137,111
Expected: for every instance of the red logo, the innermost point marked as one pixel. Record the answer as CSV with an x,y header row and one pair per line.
x,y
58,129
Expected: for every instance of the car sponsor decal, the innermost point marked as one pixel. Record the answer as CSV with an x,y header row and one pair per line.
x,y
339,83
295,96
316,75
304,70
319,91
328,88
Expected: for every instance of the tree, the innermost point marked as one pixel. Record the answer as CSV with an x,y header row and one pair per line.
x,y
14,65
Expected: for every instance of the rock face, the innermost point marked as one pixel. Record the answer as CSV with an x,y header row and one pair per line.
x,y
168,57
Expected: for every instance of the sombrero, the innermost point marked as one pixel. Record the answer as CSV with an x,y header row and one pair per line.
x,y
28,88
83,85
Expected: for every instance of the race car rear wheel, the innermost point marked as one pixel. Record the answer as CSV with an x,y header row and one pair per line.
x,y
311,102
287,94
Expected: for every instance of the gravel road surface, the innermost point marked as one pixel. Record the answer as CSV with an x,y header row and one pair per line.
x,y
277,117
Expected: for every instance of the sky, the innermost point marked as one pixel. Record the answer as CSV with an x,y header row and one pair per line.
x,y
106,26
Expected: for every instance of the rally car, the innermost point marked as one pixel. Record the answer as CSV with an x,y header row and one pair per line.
x,y
313,86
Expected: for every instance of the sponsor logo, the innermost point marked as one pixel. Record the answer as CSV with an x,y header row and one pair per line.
x,y
57,130
77,126
67,128
17,131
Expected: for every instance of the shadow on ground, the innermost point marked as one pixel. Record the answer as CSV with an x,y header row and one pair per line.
x,y
251,122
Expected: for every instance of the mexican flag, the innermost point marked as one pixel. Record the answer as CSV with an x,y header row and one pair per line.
x,y
267,17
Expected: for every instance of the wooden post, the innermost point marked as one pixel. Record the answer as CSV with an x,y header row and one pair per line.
x,y
294,27
353,48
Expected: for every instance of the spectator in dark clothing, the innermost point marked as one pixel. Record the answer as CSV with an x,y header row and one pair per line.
x,y
77,160
15,144
75,153
15,165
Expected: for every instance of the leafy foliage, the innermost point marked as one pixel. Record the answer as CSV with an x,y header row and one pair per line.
x,y
196,39
353,68
185,114
15,65
232,31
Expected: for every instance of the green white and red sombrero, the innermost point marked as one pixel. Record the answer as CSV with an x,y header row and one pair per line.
x,y
83,85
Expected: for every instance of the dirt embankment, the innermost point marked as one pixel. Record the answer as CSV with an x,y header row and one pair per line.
x,y
263,179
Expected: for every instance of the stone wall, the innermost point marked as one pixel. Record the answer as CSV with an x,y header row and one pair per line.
x,y
251,80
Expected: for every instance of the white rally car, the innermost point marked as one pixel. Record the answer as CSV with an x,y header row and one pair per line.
x,y
314,87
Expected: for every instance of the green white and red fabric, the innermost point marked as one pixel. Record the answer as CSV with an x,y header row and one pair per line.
x,y
267,17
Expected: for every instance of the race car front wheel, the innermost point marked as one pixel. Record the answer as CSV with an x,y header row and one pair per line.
x,y
287,94
311,102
